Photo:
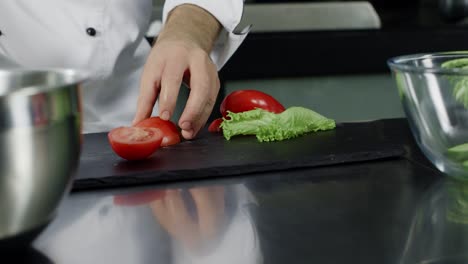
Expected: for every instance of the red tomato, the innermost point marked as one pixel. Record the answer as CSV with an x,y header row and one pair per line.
x,y
170,132
245,100
135,143
214,126
139,198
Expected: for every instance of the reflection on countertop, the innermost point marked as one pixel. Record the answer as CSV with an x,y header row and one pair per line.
x,y
361,211
184,225
439,230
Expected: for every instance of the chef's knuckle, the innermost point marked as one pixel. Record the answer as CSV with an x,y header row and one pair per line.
x,y
171,78
193,114
202,82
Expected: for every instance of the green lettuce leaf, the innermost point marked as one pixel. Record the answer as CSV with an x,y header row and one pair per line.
x,y
456,63
460,83
458,152
267,126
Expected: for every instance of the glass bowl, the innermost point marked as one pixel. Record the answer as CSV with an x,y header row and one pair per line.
x,y
433,89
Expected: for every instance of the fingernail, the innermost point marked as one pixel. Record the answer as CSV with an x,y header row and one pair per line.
x,y
165,115
188,134
186,126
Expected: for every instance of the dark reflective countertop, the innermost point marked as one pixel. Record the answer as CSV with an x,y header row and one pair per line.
x,y
398,210
358,213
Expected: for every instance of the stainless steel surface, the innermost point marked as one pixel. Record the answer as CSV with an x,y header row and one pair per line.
x,y
310,16
437,114
40,139
300,17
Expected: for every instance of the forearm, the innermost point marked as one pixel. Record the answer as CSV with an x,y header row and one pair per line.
x,y
191,23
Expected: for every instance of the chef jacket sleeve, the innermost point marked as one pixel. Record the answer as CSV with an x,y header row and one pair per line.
x,y
229,14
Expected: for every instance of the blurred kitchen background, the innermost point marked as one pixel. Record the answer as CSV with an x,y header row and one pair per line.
x,y
331,56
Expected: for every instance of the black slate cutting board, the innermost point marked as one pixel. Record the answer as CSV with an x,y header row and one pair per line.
x,y
210,155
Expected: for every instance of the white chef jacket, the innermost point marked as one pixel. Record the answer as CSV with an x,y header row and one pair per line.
x,y
104,38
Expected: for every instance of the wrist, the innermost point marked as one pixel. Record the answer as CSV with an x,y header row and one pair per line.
x,y
192,25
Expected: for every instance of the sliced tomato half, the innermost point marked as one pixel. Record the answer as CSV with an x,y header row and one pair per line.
x,y
135,143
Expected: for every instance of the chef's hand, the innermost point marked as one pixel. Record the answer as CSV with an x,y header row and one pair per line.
x,y
199,233
181,52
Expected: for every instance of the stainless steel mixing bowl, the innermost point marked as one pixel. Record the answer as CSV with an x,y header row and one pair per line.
x,y
40,143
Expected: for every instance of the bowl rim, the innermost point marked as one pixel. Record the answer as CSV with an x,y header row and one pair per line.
x,y
396,63
74,77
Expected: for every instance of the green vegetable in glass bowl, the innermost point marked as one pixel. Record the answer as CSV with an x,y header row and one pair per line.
x,y
460,90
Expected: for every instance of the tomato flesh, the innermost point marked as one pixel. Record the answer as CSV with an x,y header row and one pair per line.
x,y
169,130
135,143
246,100
214,126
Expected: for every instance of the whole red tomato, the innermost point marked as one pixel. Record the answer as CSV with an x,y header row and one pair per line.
x,y
170,132
246,100
135,143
